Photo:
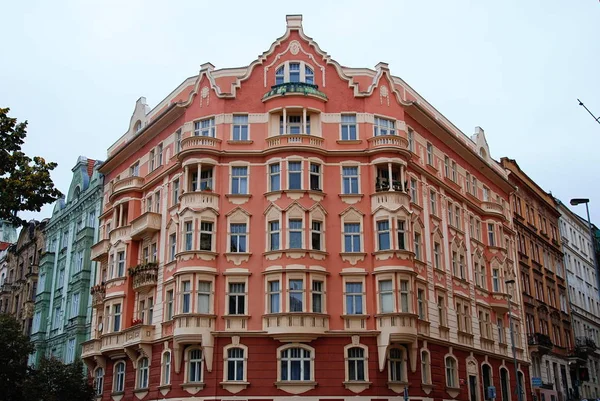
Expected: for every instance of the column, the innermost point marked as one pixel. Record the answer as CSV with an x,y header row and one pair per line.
x,y
391,188
284,121
304,130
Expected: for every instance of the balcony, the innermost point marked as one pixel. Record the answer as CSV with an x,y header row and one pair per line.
x,y
98,292
91,348
586,344
295,89
100,250
295,326
499,302
578,355
129,184
120,234
148,223
295,140
492,209
401,327
391,200
113,343
388,141
86,232
139,337
200,200
539,343
192,143
144,276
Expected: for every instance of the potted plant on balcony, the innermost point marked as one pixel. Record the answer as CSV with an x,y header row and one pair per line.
x,y
136,322
207,189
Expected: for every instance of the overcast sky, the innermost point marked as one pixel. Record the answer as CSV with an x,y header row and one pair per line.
x,y
74,69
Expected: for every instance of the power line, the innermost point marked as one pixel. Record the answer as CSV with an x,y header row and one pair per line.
x,y
588,110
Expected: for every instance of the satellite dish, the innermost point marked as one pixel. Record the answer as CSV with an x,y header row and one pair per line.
x,y
100,327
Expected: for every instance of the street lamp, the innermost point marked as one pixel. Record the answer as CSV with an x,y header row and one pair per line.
x,y
512,342
579,201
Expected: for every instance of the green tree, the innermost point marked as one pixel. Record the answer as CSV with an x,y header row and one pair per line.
x,y
25,182
14,350
55,381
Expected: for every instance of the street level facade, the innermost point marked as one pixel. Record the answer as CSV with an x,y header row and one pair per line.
x,y
61,321
544,286
299,228
585,304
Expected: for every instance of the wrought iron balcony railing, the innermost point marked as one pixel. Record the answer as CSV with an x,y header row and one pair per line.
x,y
296,88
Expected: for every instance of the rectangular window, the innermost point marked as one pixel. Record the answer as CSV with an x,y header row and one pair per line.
x,y
413,191
169,304
295,232
350,180
386,296
186,297
189,232
134,170
240,127
417,246
274,294
401,231
354,296
178,141
474,186
433,202
404,294
315,177
491,235
429,154
486,194
175,192
238,237
274,177
294,72
120,264
92,219
295,175
383,126
237,298
421,304
468,182
57,317
116,317
274,235
441,304
496,280
239,180
383,235
411,140
437,255
205,127
75,305
152,160
351,237
446,166
70,357
204,293
206,236
349,127
159,155
172,247
296,295
293,125
316,235
457,217
153,249
454,172
317,296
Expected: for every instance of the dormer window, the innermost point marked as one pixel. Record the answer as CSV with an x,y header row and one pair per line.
x,y
295,71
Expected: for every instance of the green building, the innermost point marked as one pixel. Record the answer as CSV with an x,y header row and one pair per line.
x,y
61,320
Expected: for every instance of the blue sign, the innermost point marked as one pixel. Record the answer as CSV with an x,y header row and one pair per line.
x,y
491,392
536,381
405,393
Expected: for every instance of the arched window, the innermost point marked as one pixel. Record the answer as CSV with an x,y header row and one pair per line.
x,y
166,368
280,75
143,372
396,365
138,126
119,377
296,364
356,364
451,372
309,75
195,365
504,384
294,71
235,364
99,381
76,194
486,371
425,367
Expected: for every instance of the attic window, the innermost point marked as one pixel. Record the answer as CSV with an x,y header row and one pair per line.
x,y
482,153
294,71
138,126
76,194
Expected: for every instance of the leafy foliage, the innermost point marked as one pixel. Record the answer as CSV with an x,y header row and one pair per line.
x,y
25,182
55,381
14,350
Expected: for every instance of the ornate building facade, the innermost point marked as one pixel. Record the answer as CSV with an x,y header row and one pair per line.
x,y
544,285
295,227
585,304
21,268
61,321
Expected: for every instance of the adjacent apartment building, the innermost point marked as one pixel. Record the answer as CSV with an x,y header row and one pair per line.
x,y
544,285
578,249
61,321
21,274
299,228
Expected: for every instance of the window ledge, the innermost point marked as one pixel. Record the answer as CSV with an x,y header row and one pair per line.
x,y
397,386
351,199
295,387
192,388
117,395
244,142
353,257
427,387
164,389
386,254
349,141
237,257
112,280
234,387
238,199
357,386
140,392
453,391
189,255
